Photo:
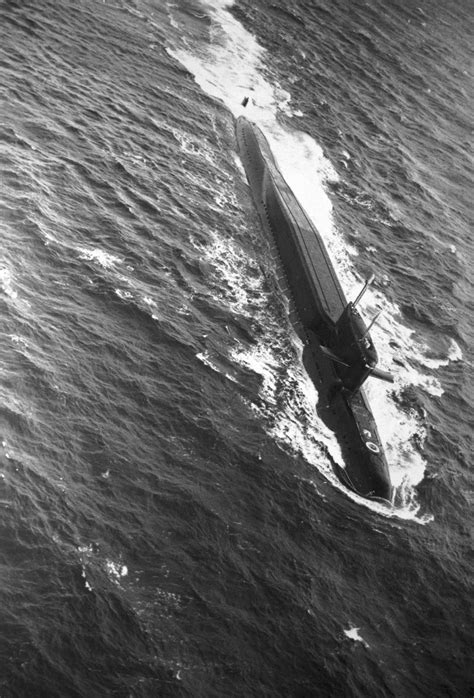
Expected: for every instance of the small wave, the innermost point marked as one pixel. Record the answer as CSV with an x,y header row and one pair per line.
x,y
7,452
9,285
454,354
6,281
212,364
353,634
229,263
287,15
116,571
14,290
124,295
191,147
103,258
16,339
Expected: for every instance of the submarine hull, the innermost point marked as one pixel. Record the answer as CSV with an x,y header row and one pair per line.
x,y
319,302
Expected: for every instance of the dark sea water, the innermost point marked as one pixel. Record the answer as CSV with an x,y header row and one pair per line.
x,y
170,521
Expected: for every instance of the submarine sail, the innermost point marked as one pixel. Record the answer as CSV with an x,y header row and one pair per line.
x,y
339,354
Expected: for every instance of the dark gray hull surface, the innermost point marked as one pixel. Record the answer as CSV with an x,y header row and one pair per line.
x,y
320,304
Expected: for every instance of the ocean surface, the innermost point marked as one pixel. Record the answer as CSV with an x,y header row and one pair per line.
x,y
171,525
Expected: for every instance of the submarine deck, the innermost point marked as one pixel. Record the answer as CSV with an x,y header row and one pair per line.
x,y
309,251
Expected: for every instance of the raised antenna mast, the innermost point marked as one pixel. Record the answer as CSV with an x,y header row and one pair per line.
x,y
374,320
364,289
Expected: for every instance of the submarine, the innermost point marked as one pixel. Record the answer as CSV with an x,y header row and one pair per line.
x,y
339,354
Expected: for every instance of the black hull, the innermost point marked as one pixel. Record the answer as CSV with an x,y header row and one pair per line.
x,y
319,302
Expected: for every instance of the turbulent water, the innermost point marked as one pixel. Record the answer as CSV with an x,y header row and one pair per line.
x,y
170,521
